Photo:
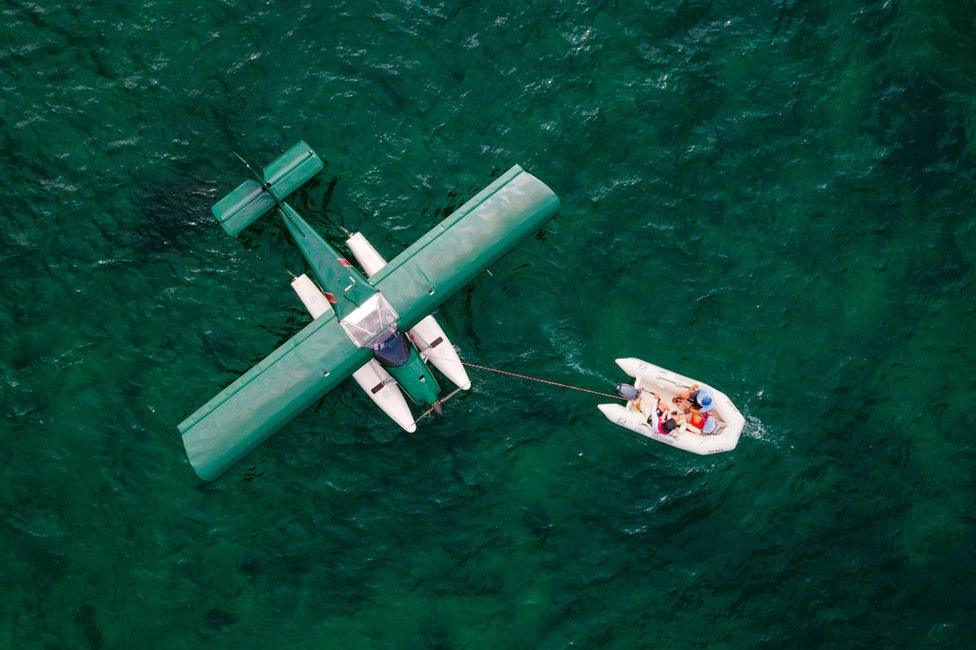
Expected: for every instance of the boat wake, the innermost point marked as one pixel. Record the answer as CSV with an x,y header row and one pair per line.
x,y
755,429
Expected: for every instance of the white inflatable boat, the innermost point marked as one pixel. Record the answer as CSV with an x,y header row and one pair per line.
x,y
651,381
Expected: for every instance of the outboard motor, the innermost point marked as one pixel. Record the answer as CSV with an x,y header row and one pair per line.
x,y
628,392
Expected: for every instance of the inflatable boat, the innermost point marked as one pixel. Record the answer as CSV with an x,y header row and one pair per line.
x,y
653,383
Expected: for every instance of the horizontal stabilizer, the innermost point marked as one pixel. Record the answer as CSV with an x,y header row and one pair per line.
x,y
249,201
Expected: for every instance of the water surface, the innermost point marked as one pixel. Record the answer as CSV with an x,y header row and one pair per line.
x,y
776,198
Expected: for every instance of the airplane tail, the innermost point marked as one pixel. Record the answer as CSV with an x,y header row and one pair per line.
x,y
252,199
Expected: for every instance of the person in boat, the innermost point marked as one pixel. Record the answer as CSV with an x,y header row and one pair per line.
x,y
696,396
665,418
698,401
703,420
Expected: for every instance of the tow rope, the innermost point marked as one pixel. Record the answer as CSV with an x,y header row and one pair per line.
x,y
436,408
548,382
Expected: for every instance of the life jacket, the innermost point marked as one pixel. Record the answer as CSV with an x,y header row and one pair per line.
x,y
698,419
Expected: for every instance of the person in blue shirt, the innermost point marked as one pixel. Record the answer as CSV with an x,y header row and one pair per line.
x,y
696,397
699,400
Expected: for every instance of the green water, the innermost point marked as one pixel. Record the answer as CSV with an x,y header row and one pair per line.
x,y
774,197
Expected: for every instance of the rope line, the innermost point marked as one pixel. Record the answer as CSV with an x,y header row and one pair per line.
x,y
431,352
440,402
540,380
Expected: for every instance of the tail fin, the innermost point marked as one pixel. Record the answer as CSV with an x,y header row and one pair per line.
x,y
251,199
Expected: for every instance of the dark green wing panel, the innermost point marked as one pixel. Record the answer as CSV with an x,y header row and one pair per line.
x,y
465,244
267,396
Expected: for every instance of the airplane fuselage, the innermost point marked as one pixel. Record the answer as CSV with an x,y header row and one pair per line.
x,y
350,293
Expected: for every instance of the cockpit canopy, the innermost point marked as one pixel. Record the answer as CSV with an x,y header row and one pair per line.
x,y
371,322
393,351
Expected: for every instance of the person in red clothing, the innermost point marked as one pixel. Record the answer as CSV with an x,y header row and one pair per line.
x,y
702,419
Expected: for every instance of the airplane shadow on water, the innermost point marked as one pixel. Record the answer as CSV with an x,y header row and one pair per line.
x,y
169,216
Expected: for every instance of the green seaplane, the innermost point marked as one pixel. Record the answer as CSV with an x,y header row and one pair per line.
x,y
375,327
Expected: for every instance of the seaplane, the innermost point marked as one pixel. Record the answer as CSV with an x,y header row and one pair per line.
x,y
375,326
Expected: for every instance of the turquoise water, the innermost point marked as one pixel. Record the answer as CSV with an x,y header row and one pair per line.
x,y
777,198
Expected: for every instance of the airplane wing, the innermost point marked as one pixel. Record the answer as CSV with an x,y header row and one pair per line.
x,y
464,244
258,403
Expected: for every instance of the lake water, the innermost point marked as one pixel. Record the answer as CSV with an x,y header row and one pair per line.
x,y
776,198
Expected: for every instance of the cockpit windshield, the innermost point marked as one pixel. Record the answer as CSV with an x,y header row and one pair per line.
x,y
391,352
372,322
